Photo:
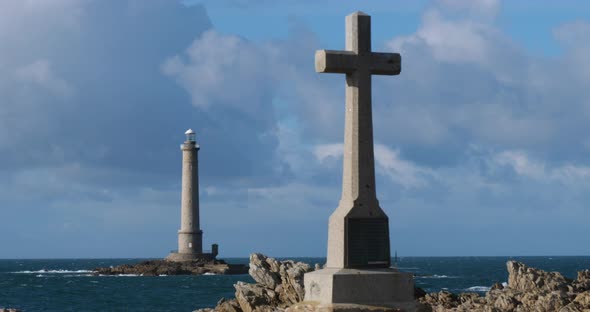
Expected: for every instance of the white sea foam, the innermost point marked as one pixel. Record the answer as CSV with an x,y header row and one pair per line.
x,y
505,284
478,288
436,276
129,275
52,272
209,273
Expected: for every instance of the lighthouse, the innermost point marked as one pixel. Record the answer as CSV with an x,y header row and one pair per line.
x,y
190,235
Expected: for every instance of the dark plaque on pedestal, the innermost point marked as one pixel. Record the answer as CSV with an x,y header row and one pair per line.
x,y
368,243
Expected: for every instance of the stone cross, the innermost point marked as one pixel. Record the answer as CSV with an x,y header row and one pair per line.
x,y
358,235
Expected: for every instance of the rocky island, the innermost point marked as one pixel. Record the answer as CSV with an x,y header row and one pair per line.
x,y
279,287
165,267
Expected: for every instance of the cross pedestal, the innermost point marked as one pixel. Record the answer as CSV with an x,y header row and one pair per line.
x,y
359,259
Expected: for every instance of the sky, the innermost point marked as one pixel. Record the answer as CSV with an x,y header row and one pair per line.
x,y
482,144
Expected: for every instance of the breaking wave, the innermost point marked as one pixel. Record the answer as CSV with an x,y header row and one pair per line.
x,y
435,276
478,288
53,272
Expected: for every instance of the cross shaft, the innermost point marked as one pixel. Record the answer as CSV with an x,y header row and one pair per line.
x,y
358,234
359,64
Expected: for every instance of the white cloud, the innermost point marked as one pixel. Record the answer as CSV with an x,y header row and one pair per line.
x,y
573,34
530,168
324,151
452,41
521,163
388,162
225,70
464,81
477,8
401,171
575,38
41,74
15,14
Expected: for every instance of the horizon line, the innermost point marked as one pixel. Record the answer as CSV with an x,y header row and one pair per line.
x,y
286,257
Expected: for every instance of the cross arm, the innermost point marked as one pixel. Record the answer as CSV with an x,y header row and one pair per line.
x,y
329,61
345,62
386,63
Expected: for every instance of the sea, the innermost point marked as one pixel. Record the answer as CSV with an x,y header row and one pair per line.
x,y
69,285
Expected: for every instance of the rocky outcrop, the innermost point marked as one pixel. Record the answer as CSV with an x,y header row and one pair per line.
x,y
279,284
163,267
528,289
523,278
582,283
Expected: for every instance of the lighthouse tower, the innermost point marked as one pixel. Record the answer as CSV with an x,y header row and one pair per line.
x,y
190,235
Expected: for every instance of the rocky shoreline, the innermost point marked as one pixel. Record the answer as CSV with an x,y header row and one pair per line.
x,y
164,267
528,289
279,287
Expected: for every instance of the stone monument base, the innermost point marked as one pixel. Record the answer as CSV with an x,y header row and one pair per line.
x,y
360,290
182,257
338,307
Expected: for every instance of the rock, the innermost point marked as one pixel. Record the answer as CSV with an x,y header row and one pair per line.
x,y
223,305
444,299
264,270
503,302
448,299
497,286
164,267
583,299
580,304
292,288
523,278
279,284
342,307
544,302
228,305
583,276
283,277
429,299
528,290
9,310
469,297
255,297
582,282
419,293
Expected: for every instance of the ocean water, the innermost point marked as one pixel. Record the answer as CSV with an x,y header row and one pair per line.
x,y
68,284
